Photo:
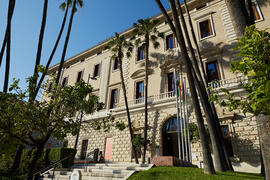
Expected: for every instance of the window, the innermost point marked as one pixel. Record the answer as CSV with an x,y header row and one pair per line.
x,y
113,101
141,54
115,64
139,90
205,28
96,70
79,77
170,44
170,82
227,139
212,71
256,11
64,82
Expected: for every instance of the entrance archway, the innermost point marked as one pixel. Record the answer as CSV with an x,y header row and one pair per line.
x,y
169,138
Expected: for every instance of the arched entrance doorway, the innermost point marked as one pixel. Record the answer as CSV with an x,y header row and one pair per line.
x,y
169,138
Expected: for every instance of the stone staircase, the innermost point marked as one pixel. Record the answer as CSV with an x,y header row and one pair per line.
x,y
107,171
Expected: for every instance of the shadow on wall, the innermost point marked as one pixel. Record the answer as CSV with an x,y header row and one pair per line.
x,y
245,151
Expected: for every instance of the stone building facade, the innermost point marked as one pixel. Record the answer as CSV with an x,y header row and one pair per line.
x,y
216,37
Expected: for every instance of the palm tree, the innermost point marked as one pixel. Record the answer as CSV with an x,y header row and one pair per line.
x,y
177,30
11,7
212,120
39,49
6,42
146,28
66,42
117,45
65,7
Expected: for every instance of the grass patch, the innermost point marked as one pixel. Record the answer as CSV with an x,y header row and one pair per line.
x,y
176,173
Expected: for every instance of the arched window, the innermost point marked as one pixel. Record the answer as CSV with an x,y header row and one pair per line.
x,y
171,125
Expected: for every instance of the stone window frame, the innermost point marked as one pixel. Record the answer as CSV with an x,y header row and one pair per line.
x,y
204,18
138,60
99,70
110,96
113,63
167,33
135,86
82,70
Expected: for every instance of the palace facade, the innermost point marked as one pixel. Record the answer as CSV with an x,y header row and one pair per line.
x,y
216,37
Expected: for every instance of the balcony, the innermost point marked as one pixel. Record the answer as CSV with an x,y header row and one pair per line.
x,y
168,98
229,84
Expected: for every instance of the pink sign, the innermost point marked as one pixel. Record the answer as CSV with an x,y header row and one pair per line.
x,y
108,148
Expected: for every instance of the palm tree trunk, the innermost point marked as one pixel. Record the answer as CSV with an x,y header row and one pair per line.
x,y
220,160
207,159
52,53
39,49
145,97
11,7
126,103
66,42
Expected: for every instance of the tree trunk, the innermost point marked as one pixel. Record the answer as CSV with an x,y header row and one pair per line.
x,y
52,54
263,122
66,42
145,97
207,159
17,159
126,103
223,161
11,7
7,41
33,163
39,49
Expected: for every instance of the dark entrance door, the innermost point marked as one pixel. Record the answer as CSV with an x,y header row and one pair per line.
x,y
169,136
84,149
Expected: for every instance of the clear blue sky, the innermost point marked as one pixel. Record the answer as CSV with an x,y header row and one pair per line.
x,y
95,22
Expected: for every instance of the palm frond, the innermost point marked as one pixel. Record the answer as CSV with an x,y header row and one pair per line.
x,y
156,44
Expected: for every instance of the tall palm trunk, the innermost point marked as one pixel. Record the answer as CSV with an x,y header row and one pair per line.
x,y
66,42
11,7
205,84
207,159
52,53
39,49
120,57
220,160
7,41
146,96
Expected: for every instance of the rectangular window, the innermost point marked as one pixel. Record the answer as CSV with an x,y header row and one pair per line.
x,y
212,71
227,139
96,70
139,90
140,54
170,82
64,82
79,77
84,149
205,28
113,101
115,64
170,43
